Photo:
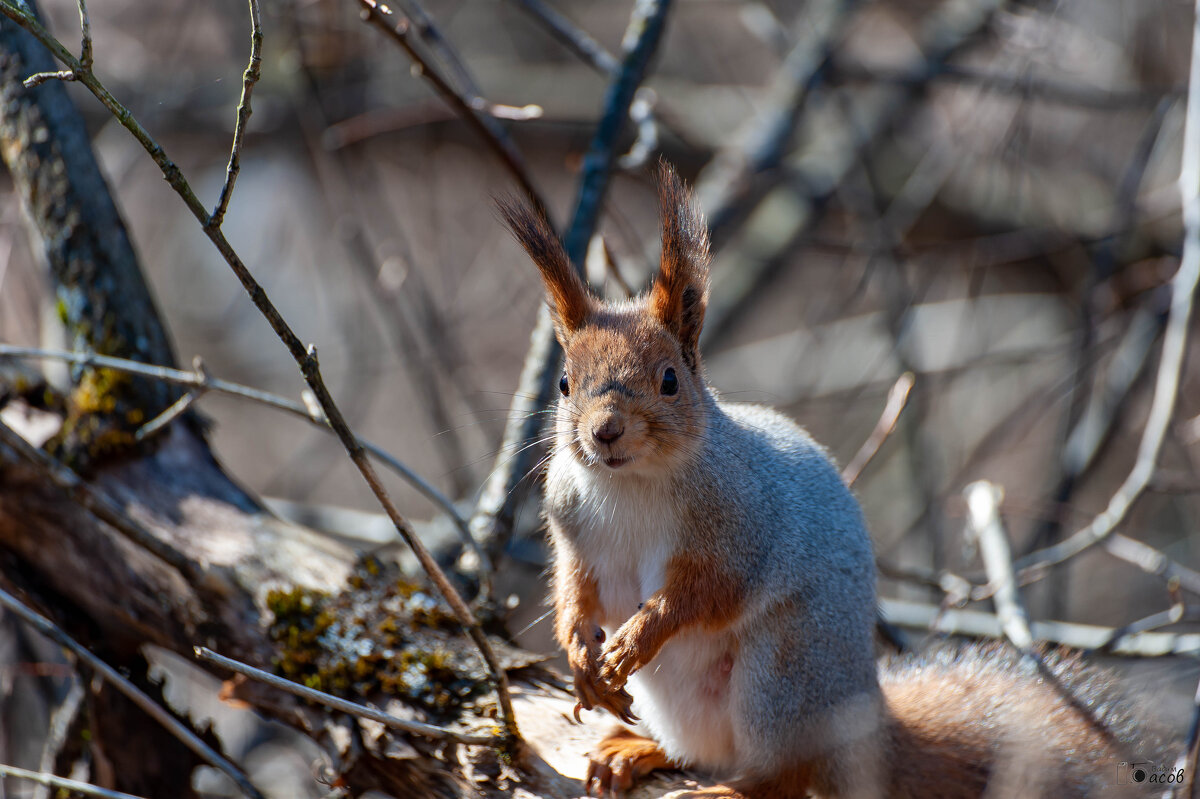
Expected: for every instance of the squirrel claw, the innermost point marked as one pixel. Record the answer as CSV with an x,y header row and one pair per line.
x,y
578,707
620,704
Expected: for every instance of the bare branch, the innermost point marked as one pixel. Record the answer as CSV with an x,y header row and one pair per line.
x,y
206,655
1173,615
131,691
85,54
493,135
85,27
74,786
954,621
160,422
986,530
249,78
896,400
1188,758
432,36
1152,561
1024,85
38,78
591,52
641,40
575,39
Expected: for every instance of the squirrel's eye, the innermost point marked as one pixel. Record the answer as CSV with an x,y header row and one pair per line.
x,y
563,386
670,383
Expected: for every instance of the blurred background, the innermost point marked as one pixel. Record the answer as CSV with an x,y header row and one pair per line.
x,y
977,192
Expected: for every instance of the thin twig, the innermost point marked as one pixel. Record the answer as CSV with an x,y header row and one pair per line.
x,y
38,78
305,357
206,655
249,78
1025,85
493,135
1174,346
467,88
369,124
575,39
1173,615
978,623
641,40
74,786
85,27
131,692
958,590
896,400
172,412
311,369
1186,763
1152,561
85,54
591,52
1092,416
433,37
985,529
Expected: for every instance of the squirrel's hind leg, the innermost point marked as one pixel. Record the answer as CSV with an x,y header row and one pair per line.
x,y
620,759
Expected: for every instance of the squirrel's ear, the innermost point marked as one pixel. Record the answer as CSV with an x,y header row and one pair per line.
x,y
680,292
570,302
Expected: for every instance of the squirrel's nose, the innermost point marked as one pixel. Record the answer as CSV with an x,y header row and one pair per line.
x,y
609,431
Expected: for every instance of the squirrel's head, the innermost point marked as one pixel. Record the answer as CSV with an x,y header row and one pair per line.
x,y
633,392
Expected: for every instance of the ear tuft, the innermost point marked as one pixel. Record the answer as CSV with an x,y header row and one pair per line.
x,y
680,294
570,302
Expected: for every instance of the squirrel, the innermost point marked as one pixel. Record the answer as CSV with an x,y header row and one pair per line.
x,y
714,581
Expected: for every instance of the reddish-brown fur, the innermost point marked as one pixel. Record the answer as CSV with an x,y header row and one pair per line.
x,y
620,760
576,610
680,293
623,757
570,301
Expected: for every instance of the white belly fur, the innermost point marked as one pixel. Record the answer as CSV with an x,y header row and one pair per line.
x,y
682,697
626,537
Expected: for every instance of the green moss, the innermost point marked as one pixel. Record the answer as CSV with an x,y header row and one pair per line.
x,y
385,636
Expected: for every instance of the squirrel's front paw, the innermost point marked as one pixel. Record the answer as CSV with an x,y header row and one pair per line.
x,y
593,692
618,660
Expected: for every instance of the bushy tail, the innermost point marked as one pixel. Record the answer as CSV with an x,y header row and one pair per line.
x,y
977,721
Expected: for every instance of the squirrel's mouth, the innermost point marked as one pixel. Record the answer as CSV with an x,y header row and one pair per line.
x,y
616,463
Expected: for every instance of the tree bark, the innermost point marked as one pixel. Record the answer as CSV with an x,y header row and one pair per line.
x,y
101,297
